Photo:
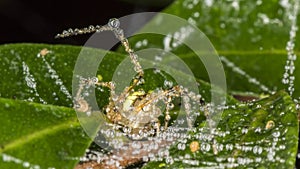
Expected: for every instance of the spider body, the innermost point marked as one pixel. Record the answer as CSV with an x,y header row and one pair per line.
x,y
137,117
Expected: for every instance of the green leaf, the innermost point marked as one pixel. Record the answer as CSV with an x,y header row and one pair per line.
x,y
49,135
263,134
52,74
39,136
256,71
36,134
251,35
51,131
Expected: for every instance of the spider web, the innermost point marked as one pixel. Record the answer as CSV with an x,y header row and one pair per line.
x,y
288,79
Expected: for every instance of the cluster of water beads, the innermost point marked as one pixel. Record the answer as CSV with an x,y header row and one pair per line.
x,y
29,79
114,26
31,83
25,164
157,149
288,76
53,74
206,145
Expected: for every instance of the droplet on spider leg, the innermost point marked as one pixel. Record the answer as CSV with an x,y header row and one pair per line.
x,y
141,81
58,35
76,30
136,68
70,30
91,28
65,32
114,23
94,80
77,106
147,108
119,32
186,99
114,98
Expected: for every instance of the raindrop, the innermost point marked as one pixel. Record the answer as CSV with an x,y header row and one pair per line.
x,y
147,108
65,32
276,134
291,56
145,158
114,23
229,147
169,160
257,150
26,164
205,147
244,131
282,147
94,80
91,28
168,84
196,14
181,146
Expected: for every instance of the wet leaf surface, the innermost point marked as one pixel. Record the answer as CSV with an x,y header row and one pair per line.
x,y
262,134
242,32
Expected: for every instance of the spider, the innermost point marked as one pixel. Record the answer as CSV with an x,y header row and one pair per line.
x,y
136,112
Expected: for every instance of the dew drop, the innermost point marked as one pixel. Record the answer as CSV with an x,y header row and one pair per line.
x,y
276,134
26,164
114,23
245,130
181,146
168,84
169,160
145,158
257,150
205,147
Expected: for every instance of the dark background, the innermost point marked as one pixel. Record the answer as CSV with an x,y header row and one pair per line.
x,y
38,21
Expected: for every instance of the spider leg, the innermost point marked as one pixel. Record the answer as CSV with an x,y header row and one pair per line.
x,y
207,114
157,127
178,91
134,60
80,103
167,95
114,26
186,96
109,85
169,105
